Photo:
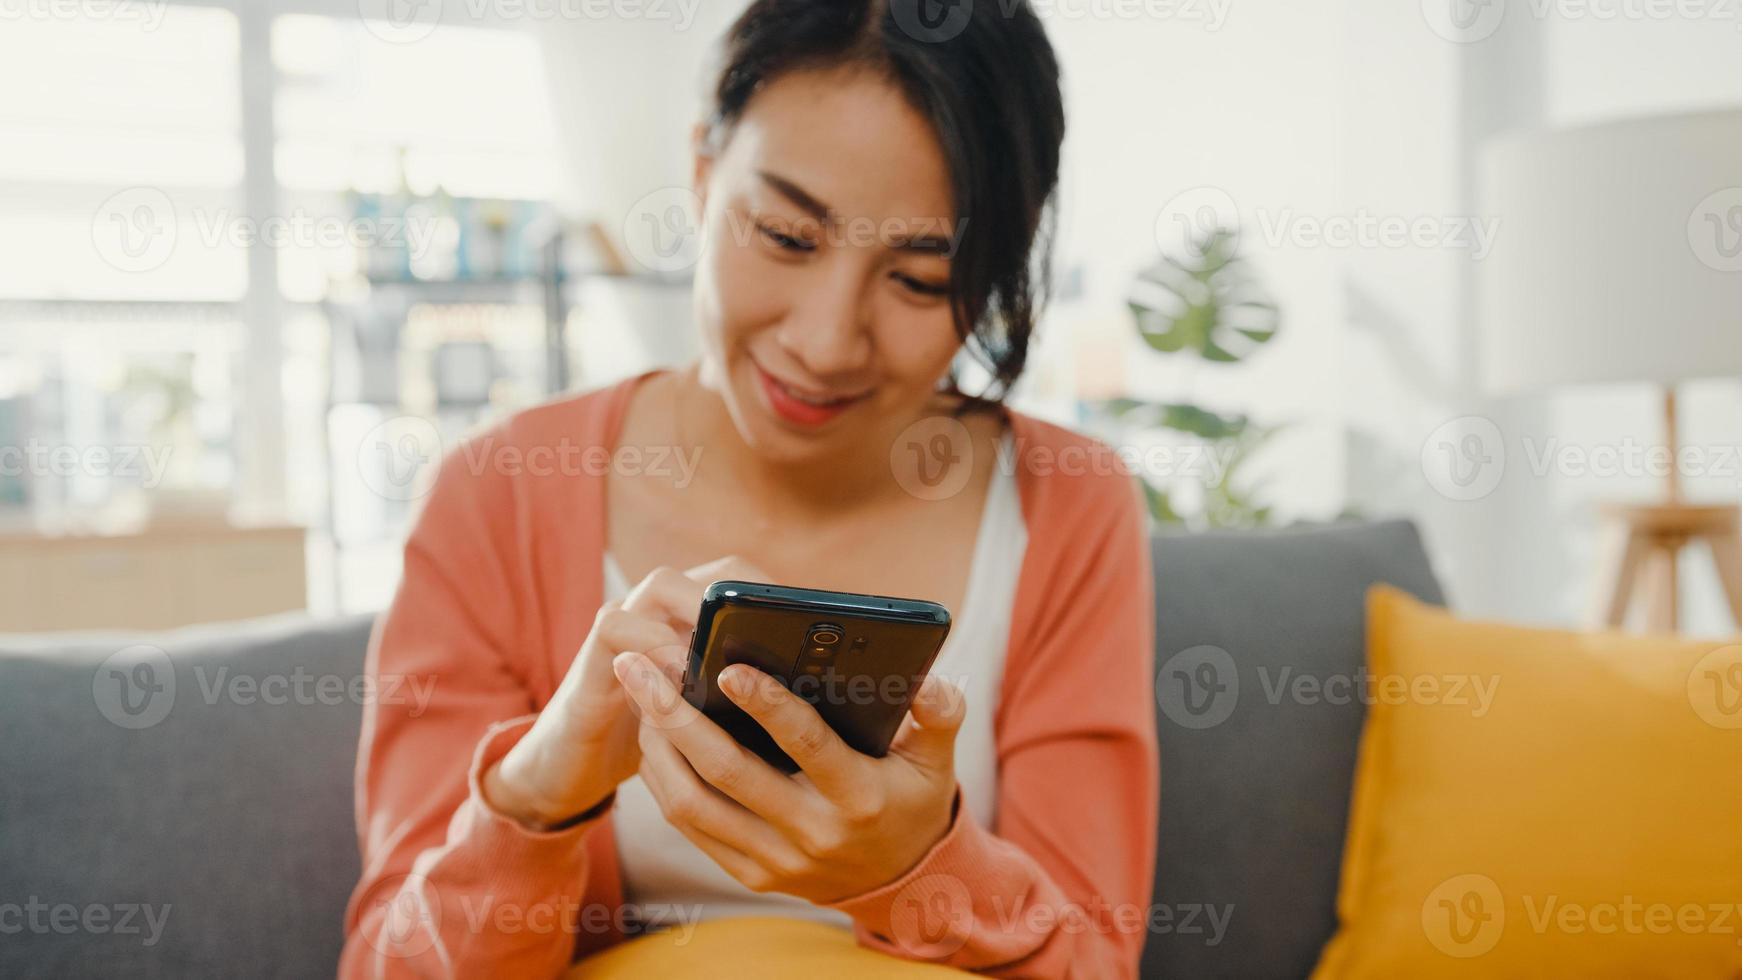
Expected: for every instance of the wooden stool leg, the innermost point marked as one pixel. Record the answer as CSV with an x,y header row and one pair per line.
x,y
1662,605
1727,555
1624,576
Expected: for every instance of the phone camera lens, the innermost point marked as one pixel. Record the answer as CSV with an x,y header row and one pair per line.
x,y
825,638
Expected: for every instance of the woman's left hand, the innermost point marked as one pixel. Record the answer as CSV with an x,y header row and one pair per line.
x,y
846,824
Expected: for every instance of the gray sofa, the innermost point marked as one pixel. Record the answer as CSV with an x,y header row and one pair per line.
x,y
202,827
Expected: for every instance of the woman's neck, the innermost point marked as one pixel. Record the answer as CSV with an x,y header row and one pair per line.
x,y
859,476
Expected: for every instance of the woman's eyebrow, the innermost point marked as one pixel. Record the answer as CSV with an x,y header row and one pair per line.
x,y
927,244
796,195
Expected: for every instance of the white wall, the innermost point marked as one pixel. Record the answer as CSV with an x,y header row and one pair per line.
x,y
1595,70
1304,114
1249,109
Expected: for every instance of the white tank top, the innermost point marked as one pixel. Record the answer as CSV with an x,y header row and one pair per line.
x,y
668,880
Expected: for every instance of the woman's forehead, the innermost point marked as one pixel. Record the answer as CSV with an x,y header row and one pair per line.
x,y
851,142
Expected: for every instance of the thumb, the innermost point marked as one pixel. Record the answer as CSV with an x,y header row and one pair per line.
x,y
928,737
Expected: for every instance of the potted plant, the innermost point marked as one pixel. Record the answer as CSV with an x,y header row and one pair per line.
x,y
1209,304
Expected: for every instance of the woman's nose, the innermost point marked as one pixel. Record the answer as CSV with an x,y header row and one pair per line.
x,y
830,332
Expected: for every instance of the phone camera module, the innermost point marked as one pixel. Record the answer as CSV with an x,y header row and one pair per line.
x,y
821,641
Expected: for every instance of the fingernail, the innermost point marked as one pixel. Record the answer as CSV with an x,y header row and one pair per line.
x,y
735,681
620,665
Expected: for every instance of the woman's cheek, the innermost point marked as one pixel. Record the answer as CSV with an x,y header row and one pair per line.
x,y
748,290
917,345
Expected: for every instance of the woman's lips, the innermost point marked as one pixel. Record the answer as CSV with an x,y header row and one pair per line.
x,y
794,409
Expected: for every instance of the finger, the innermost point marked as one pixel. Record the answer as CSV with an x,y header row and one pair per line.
x,y
668,595
658,701
711,752
729,567
621,629
614,630
832,764
928,737
731,860
686,797
672,659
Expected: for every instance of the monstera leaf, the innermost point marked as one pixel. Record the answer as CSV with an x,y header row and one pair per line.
x,y
1206,302
1178,416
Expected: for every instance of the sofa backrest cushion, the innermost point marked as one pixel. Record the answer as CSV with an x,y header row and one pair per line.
x,y
195,828
1260,640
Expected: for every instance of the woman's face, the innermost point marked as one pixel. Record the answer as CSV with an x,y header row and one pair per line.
x,y
822,293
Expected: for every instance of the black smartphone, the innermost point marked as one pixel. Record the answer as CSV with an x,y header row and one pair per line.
x,y
858,659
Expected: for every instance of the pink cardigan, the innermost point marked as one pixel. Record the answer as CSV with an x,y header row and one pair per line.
x,y
502,580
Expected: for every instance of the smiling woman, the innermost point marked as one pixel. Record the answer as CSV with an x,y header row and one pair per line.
x,y
875,193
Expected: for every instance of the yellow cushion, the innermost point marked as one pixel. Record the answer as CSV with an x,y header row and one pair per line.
x,y
751,949
1586,823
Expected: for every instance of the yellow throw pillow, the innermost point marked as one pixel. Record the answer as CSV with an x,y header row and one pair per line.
x,y
752,948
1582,818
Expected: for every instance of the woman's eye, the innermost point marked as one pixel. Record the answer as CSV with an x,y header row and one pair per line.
x,y
786,242
921,287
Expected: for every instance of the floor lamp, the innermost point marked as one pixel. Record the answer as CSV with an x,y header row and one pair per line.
x,y
1618,258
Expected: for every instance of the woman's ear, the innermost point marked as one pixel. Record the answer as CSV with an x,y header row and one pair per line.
x,y
701,146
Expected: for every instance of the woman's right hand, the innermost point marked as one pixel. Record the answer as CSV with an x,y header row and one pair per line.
x,y
585,740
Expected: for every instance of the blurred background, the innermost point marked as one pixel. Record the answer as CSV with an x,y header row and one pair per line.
x,y
260,263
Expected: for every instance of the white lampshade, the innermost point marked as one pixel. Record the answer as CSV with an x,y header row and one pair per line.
x,y
1618,255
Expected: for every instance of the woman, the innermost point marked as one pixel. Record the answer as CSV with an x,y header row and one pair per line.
x,y
873,187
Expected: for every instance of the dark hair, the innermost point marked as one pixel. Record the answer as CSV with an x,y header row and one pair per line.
x,y
986,78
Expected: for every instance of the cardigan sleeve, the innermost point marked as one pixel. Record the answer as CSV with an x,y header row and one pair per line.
x,y
450,886
1060,886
